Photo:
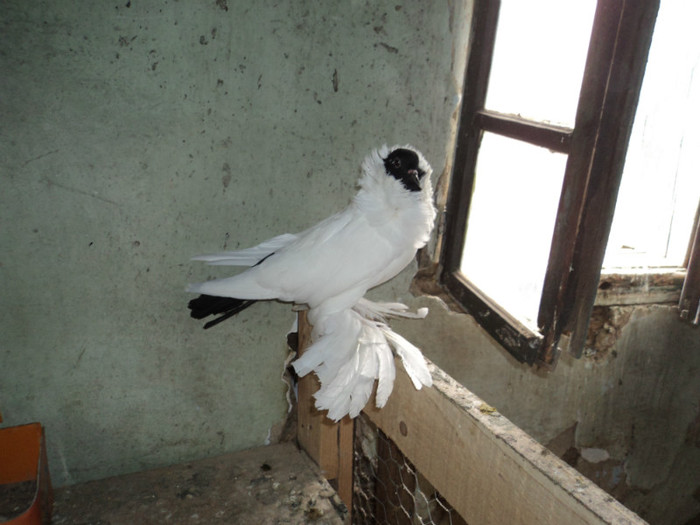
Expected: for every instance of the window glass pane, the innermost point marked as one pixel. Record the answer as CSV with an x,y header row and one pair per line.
x,y
539,57
511,221
660,185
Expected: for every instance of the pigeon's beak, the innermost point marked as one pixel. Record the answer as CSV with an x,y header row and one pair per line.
x,y
415,176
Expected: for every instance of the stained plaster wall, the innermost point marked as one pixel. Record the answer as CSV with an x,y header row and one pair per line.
x,y
628,418
135,134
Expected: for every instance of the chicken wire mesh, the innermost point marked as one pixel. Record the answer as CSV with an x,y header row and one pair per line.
x,y
387,489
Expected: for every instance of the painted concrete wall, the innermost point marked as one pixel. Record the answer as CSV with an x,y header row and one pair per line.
x,y
134,135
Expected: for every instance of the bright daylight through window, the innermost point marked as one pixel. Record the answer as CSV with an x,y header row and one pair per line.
x,y
518,185
660,186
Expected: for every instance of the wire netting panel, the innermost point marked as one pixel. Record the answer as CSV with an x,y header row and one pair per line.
x,y
387,489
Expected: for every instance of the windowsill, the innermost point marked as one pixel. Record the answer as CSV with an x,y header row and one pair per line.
x,y
639,286
617,287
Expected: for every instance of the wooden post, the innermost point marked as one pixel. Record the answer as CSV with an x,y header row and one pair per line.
x,y
329,444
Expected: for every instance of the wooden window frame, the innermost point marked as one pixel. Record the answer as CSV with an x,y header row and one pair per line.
x,y
689,304
596,149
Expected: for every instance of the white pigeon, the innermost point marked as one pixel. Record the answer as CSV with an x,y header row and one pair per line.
x,y
329,268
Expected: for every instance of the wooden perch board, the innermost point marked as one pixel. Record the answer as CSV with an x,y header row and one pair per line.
x,y
329,444
488,469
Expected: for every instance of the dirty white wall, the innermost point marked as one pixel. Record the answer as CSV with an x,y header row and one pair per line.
x,y
135,134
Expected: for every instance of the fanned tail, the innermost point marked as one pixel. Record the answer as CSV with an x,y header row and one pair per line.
x,y
206,305
412,359
335,338
349,391
387,373
352,349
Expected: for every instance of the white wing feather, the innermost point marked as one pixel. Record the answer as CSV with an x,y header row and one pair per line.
x,y
335,341
386,373
411,358
248,256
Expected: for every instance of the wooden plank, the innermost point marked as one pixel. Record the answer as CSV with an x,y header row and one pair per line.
x,y
488,469
346,435
554,138
521,342
639,287
689,304
612,81
327,443
316,434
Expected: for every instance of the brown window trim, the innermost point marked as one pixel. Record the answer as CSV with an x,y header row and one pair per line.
x,y
596,147
646,286
689,304
555,138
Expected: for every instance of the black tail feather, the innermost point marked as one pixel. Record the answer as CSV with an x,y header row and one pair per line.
x,y
206,305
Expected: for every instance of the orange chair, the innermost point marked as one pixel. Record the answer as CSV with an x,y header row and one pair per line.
x,y
23,458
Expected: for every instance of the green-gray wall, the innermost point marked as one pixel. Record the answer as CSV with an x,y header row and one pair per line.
x,y
134,135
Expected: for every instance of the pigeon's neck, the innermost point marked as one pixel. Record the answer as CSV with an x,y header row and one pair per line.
x,y
381,194
397,212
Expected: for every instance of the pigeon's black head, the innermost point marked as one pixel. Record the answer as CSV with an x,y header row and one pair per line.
x,y
402,164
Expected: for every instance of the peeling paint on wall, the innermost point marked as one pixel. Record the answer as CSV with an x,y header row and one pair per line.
x,y
606,325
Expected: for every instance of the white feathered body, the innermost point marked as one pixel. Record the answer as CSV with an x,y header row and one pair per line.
x,y
330,267
332,264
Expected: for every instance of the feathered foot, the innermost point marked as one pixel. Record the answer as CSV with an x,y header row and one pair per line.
x,y
351,350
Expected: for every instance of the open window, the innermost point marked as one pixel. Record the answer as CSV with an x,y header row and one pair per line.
x,y
550,98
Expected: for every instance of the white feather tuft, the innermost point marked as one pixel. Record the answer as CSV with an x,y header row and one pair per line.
x,y
335,339
411,358
351,350
380,311
387,374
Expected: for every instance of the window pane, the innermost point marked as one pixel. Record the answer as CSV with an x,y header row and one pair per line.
x,y
660,185
511,221
539,57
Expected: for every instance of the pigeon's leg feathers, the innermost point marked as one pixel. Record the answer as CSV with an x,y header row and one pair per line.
x,y
381,311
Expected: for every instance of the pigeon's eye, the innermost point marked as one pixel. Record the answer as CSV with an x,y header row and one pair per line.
x,y
395,163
